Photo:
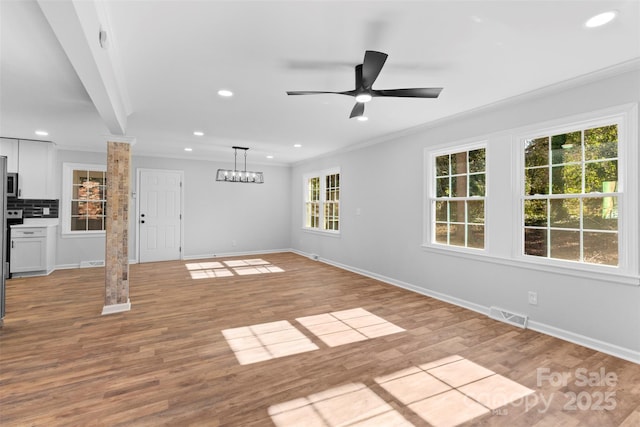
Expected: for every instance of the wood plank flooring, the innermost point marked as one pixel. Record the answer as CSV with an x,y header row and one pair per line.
x,y
166,361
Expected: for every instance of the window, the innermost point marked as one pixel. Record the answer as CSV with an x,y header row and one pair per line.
x,y
84,198
313,203
331,202
458,208
322,201
571,194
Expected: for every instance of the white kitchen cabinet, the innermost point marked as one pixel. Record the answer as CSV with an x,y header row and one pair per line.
x,y
9,148
32,250
35,170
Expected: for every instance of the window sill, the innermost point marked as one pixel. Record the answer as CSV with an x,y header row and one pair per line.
x,y
82,234
567,268
321,232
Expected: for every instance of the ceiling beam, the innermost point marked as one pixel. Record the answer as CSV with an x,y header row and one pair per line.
x,y
77,25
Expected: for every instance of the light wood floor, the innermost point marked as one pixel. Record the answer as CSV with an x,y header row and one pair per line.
x,y
166,361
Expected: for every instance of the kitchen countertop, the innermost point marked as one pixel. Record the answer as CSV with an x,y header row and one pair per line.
x,y
37,222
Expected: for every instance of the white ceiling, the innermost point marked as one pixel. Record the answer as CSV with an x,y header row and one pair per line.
x,y
171,57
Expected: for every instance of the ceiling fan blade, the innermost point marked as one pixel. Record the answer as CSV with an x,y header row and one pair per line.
x,y
318,92
358,110
310,92
358,76
424,92
371,67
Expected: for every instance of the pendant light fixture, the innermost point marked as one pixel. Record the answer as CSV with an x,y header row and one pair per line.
x,y
244,176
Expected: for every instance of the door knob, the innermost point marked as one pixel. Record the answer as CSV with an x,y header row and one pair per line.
x,y
142,221
142,215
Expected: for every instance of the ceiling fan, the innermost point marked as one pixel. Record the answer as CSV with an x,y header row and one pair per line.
x,y
366,75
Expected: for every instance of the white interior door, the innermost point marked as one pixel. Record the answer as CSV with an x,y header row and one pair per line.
x,y
159,215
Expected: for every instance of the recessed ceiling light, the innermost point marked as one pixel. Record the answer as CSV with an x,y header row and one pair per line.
x,y
269,157
188,149
363,118
198,133
225,92
600,19
42,133
297,145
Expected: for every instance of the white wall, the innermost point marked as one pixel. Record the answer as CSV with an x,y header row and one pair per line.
x,y
385,182
216,214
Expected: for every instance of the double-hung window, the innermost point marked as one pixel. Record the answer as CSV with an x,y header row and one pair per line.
x,y
312,204
572,194
84,199
458,197
322,201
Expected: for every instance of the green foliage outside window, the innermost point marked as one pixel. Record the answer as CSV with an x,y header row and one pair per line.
x,y
583,166
460,183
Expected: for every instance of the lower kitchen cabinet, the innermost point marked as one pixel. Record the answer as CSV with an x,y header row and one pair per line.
x,y
32,250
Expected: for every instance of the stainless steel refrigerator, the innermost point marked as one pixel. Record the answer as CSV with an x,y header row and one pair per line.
x,y
3,245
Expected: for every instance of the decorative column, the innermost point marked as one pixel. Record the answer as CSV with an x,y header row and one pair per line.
x,y
117,225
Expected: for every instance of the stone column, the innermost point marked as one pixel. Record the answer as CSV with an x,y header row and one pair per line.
x,y
117,226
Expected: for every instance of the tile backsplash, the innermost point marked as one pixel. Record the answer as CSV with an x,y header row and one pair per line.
x,y
34,208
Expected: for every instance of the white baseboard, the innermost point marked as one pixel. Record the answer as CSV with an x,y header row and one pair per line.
x,y
79,265
231,254
116,308
67,266
594,344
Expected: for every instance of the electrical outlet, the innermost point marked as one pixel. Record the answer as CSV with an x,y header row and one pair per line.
x,y
533,298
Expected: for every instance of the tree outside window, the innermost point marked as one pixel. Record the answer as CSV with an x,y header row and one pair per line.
x,y
459,202
322,201
88,202
571,196
84,199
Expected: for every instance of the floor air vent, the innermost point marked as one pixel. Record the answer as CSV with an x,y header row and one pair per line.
x,y
86,264
515,319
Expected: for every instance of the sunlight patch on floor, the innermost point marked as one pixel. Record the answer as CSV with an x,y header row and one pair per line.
x,y
348,405
451,391
240,267
266,341
348,326
447,392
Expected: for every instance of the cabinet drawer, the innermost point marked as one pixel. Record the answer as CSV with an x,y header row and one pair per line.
x,y
17,233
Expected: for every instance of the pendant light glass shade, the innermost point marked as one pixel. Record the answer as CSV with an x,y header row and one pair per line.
x,y
242,176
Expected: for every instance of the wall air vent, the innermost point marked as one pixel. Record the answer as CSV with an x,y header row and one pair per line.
x,y
86,264
506,316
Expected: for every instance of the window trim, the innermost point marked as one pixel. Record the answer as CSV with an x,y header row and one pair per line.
x,y
65,208
626,117
430,155
322,174
507,255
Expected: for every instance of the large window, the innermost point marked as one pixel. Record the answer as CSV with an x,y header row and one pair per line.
x,y
322,201
571,195
84,198
458,205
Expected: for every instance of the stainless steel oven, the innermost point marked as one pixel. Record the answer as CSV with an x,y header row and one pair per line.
x,y
12,185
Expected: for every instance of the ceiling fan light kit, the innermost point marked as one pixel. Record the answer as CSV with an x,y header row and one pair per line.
x,y
243,176
366,75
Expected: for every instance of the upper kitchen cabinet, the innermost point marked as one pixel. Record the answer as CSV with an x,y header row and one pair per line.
x,y
9,148
34,161
36,170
